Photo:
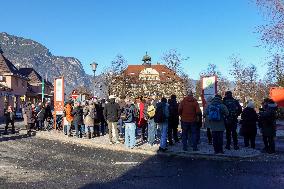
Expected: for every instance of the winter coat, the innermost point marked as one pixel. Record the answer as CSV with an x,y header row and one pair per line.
x,y
129,112
47,112
40,114
88,120
188,109
165,107
267,120
248,122
217,125
68,113
232,118
112,111
77,113
9,116
142,118
100,112
30,114
173,112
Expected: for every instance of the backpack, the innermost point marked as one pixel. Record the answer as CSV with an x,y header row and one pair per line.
x,y
128,113
136,112
151,111
214,113
160,114
233,108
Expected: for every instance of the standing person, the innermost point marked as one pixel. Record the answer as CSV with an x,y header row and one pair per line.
x,y
69,117
248,122
152,127
9,118
161,118
122,104
142,123
77,113
97,119
89,122
112,115
189,110
216,111
40,117
173,120
100,111
47,114
231,121
206,121
25,115
130,126
267,124
30,118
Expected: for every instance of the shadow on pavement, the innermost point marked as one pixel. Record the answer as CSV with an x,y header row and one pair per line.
x,y
15,136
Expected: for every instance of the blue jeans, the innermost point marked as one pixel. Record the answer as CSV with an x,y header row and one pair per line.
x,y
130,139
89,129
120,127
189,127
164,133
152,131
40,124
77,127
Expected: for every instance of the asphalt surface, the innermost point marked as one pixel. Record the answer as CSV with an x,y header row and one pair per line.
x,y
29,162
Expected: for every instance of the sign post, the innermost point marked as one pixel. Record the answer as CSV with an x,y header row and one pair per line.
x,y
209,88
58,97
42,90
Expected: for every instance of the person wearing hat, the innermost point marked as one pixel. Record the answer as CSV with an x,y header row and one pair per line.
x,y
248,122
112,114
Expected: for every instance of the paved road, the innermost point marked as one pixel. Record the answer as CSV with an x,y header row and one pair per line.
x,y
36,163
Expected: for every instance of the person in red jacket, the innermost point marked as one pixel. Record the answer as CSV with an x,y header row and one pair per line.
x,y
142,122
189,110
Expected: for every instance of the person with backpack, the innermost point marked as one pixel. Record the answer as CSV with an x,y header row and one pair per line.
x,y
189,110
152,126
231,120
206,120
267,124
173,120
161,118
216,112
130,126
112,115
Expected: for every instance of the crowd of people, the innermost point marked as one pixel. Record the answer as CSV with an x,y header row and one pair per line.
x,y
36,117
156,121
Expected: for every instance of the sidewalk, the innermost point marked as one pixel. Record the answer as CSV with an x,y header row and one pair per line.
x,y
205,150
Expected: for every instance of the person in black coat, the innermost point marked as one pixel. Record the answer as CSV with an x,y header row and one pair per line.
x,y
77,112
10,118
248,122
267,124
112,114
173,120
40,117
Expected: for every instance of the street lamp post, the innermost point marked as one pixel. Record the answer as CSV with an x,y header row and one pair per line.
x,y
94,66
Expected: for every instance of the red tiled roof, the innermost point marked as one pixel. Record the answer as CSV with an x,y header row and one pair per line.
x,y
163,70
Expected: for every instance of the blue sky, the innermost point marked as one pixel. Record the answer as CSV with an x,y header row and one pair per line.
x,y
207,31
